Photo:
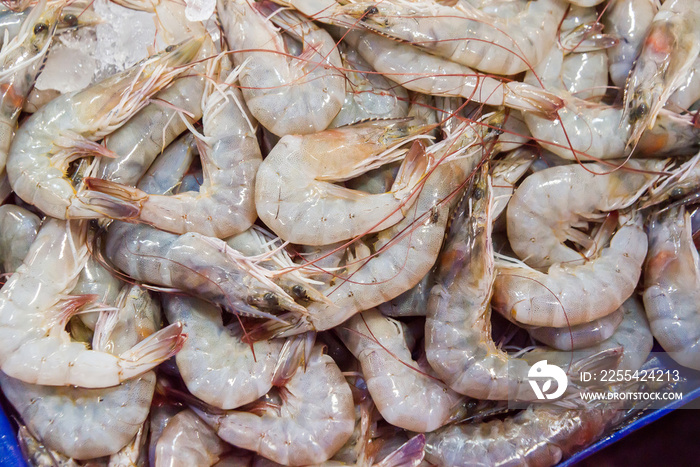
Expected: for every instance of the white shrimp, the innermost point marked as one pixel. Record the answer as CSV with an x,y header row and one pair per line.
x,y
568,295
629,21
463,34
134,453
295,195
215,364
689,90
579,336
88,423
413,302
36,349
505,174
671,286
188,441
165,175
425,73
415,241
671,46
65,130
18,228
592,131
286,94
305,421
224,204
550,206
396,382
368,95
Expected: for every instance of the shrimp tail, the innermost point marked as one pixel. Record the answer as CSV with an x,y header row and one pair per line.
x,y
70,306
526,97
152,351
415,165
294,354
409,453
112,199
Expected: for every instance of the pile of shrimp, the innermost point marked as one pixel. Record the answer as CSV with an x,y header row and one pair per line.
x,y
280,238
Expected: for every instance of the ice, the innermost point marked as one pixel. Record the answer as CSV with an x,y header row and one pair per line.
x,y
82,57
199,10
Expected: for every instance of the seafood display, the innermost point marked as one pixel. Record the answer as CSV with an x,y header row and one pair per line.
x,y
343,232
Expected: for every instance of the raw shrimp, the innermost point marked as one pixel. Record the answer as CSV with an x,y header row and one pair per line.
x,y
671,46
580,336
36,349
396,382
672,285
286,94
568,295
152,129
368,95
310,418
413,302
64,129
224,204
161,413
88,423
463,34
414,241
18,228
134,453
425,73
21,60
187,441
539,436
550,206
215,364
166,172
95,280
295,195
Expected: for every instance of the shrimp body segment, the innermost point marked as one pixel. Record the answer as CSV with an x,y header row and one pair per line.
x,y
672,286
295,195
65,129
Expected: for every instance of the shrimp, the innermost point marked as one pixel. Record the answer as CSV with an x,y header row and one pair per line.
x,y
88,423
392,377
550,206
568,295
21,61
425,73
215,363
286,94
671,286
314,407
539,436
154,127
592,131
133,454
628,20
166,172
188,441
97,281
224,204
295,195
671,46
369,95
36,349
689,90
413,302
64,129
414,241
580,336
18,228
463,34
505,174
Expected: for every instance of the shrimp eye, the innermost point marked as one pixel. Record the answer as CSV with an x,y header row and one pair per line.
x,y
170,48
639,112
372,10
676,192
71,20
40,27
298,291
478,193
270,299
